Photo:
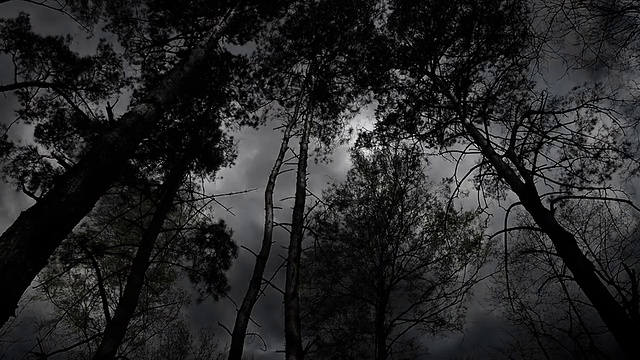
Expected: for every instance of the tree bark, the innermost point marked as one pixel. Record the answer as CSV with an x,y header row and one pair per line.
x,y
117,327
624,330
253,292
292,330
27,244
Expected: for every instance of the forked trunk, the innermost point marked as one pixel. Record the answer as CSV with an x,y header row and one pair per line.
x,y
253,292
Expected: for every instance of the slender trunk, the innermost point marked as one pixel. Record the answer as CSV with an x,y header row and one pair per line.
x,y
380,327
292,331
382,299
117,327
244,313
625,331
27,244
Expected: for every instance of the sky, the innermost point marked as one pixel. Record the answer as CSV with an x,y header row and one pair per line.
x,y
256,152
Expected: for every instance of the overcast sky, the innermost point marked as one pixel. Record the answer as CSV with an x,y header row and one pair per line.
x,y
256,151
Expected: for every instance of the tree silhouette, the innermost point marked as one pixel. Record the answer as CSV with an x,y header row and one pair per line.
x,y
34,236
540,297
314,82
462,81
389,262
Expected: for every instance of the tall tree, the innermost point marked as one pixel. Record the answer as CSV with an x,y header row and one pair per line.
x,y
200,151
390,260
314,80
243,315
117,325
332,85
461,81
34,236
540,297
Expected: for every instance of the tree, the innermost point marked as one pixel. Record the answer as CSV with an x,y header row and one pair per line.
x,y
201,151
104,245
312,78
117,326
197,114
462,82
34,236
86,278
57,89
539,296
243,315
390,260
331,84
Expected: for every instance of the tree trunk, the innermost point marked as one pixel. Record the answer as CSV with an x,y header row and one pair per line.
x,y
292,331
620,324
382,299
117,327
27,244
251,297
380,328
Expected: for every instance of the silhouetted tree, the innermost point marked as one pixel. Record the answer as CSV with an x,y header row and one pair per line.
x,y
34,236
390,261
540,297
311,63
464,83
